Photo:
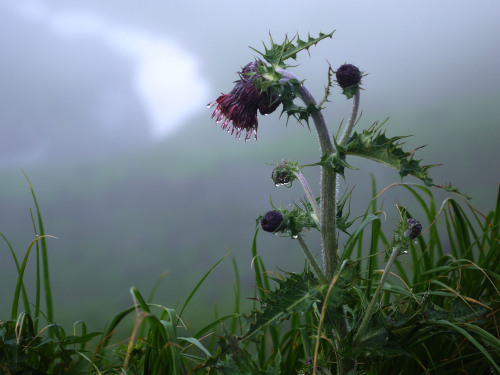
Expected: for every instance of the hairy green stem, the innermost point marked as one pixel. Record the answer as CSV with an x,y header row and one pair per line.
x,y
309,196
328,210
369,311
311,259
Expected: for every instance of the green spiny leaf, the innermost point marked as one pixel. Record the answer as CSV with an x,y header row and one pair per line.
x,y
343,222
328,86
374,145
296,293
335,162
276,54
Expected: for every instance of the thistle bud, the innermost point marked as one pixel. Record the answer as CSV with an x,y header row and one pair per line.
x,y
285,173
280,176
271,221
414,228
348,75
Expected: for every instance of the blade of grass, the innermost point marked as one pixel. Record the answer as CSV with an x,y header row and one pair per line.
x,y
468,336
38,283
346,254
15,302
156,285
23,289
372,258
45,258
237,297
200,283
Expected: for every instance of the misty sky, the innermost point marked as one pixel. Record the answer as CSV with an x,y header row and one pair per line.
x,y
120,73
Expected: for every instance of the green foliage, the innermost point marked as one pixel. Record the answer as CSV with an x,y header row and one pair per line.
x,y
25,351
373,144
286,91
296,294
440,317
277,54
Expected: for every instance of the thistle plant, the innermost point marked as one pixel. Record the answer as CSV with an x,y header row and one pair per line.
x,y
438,313
267,83
343,303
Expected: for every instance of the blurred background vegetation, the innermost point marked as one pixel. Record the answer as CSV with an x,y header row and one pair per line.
x,y
104,106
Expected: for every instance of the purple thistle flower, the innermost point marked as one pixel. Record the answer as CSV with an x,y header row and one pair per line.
x,y
237,111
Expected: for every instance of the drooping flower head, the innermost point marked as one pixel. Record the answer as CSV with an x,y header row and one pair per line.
x,y
237,111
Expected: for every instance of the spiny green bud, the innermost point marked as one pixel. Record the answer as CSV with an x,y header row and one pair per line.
x,y
271,221
279,175
284,173
414,228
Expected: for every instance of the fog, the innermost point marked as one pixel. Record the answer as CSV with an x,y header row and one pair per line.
x,y
104,105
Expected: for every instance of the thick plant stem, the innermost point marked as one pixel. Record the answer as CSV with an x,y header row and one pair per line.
x,y
369,311
328,183
311,259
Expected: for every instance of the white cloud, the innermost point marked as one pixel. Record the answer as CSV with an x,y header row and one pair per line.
x,y
166,77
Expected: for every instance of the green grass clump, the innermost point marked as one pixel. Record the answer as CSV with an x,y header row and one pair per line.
x,y
438,314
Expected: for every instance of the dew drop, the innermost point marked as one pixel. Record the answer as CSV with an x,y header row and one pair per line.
x,y
405,251
295,236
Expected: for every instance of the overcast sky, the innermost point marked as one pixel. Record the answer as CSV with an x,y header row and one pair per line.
x,y
123,72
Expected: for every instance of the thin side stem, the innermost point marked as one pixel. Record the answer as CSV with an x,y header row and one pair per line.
x,y
352,119
369,311
312,260
309,196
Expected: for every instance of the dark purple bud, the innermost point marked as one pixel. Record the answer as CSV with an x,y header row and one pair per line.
x,y
271,221
348,75
414,228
